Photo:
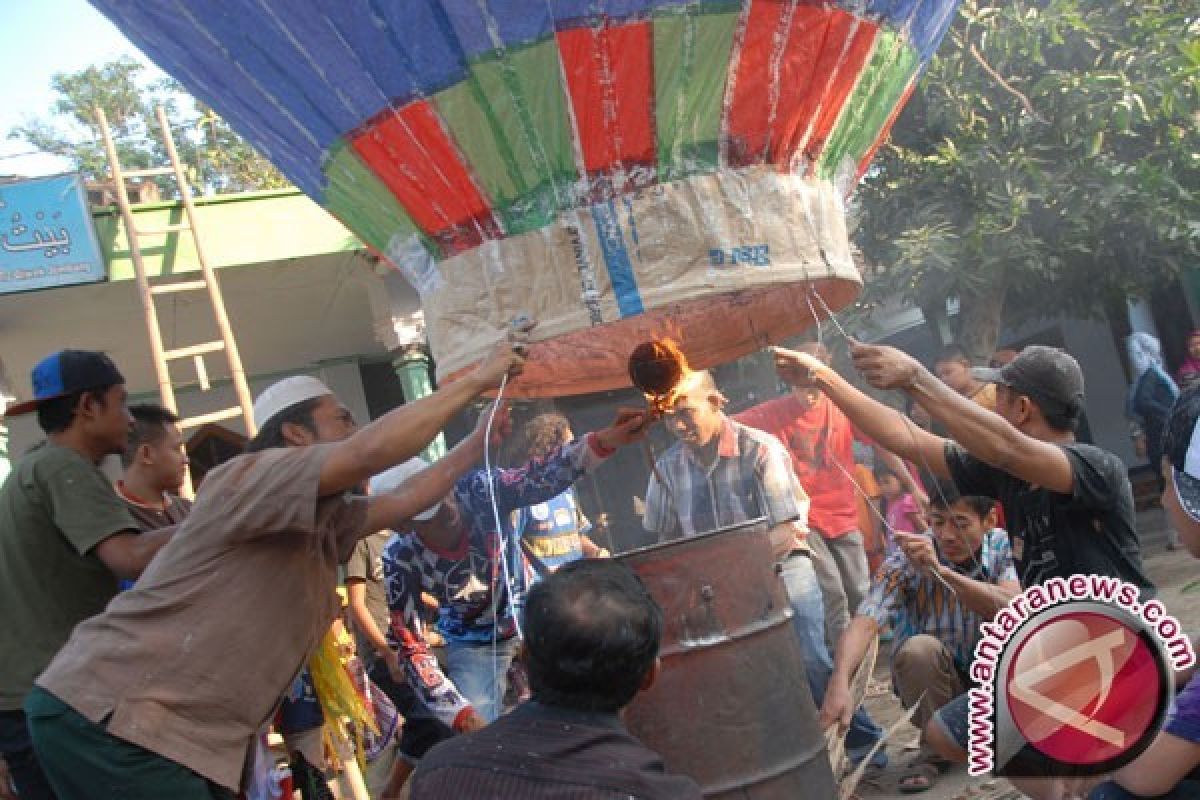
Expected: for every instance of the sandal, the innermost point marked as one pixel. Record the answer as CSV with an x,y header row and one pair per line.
x,y
921,775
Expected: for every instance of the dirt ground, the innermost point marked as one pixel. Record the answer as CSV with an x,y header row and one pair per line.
x,y
1170,570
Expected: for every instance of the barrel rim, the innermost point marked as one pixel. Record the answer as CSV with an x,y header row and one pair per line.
x,y
762,522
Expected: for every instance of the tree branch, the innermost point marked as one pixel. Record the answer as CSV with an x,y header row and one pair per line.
x,y
1008,87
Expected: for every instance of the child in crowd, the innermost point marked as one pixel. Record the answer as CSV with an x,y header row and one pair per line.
x,y
902,512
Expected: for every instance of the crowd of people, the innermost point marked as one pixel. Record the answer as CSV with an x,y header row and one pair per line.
x,y
148,641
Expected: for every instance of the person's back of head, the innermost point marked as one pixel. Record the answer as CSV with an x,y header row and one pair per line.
x,y
592,633
539,437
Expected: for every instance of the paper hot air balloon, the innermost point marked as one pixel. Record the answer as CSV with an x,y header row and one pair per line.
x,y
619,169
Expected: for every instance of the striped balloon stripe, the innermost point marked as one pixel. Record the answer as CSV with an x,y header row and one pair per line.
x,y
511,121
881,85
608,73
411,153
488,118
692,48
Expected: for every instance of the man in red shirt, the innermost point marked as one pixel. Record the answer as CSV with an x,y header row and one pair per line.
x,y
820,439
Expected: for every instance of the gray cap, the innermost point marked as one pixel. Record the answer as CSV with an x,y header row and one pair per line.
x,y
1051,377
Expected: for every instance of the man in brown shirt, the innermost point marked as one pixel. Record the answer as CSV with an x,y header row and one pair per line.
x,y
163,694
155,464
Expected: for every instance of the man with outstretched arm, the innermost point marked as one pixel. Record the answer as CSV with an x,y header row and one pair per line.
x,y
1069,505
163,694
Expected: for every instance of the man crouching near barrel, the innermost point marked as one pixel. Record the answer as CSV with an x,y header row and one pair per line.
x,y
722,473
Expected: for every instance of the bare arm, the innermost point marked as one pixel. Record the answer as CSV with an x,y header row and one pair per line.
x,y
783,538
985,435
887,427
364,623
985,599
422,490
127,554
1164,764
850,651
402,433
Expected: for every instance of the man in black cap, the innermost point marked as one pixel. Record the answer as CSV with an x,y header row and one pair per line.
x,y
65,536
1069,505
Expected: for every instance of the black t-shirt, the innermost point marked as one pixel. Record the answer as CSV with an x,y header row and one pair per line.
x,y
1090,531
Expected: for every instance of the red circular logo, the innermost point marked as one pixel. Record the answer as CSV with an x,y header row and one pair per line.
x,y
1084,688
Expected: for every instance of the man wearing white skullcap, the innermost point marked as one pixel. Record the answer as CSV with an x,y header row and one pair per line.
x,y
163,694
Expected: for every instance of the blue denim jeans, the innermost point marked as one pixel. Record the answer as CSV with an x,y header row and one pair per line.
x,y
480,671
808,611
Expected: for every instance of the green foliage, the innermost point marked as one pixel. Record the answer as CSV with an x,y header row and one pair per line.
x,y
1047,163
218,159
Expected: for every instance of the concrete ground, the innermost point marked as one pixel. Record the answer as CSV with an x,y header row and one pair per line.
x,y
1170,571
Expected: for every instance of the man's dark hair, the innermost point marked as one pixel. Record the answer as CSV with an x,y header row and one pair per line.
x,y
953,352
1058,416
945,494
55,415
271,433
592,633
150,422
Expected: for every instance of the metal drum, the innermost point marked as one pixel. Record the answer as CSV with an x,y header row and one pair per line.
x,y
732,707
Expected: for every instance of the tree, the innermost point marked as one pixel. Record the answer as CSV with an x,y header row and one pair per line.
x,y
219,160
1047,163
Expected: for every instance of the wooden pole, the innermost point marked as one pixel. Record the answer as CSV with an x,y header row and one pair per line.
x,y
237,373
165,390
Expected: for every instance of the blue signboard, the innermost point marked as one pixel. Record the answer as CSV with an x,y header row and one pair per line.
x,y
46,235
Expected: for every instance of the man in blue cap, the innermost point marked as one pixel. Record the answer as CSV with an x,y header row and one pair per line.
x,y
66,538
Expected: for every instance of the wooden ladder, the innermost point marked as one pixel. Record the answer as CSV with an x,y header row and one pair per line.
x,y
149,290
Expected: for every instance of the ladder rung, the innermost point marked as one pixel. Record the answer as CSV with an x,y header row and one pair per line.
x,y
180,286
194,350
215,416
164,229
149,173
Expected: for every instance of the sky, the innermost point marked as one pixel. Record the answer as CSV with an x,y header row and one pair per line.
x,y
37,39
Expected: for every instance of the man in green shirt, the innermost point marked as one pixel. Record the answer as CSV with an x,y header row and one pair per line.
x,y
65,536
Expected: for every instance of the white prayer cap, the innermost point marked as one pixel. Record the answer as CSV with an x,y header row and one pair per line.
x,y
389,480
286,393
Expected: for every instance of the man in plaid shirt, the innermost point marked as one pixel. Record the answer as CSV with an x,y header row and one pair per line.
x,y
722,473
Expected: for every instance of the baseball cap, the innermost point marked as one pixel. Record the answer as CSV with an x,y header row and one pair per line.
x,y
286,393
67,372
1048,375
1181,445
389,480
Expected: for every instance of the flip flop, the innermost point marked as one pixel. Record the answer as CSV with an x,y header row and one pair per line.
x,y
920,776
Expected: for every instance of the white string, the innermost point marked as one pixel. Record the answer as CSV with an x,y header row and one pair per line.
x,y
908,426
502,546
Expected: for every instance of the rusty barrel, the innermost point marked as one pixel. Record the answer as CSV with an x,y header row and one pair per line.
x,y
731,707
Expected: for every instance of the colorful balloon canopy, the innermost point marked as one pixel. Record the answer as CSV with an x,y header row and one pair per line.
x,y
619,169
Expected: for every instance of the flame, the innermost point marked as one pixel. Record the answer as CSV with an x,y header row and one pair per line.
x,y
658,367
